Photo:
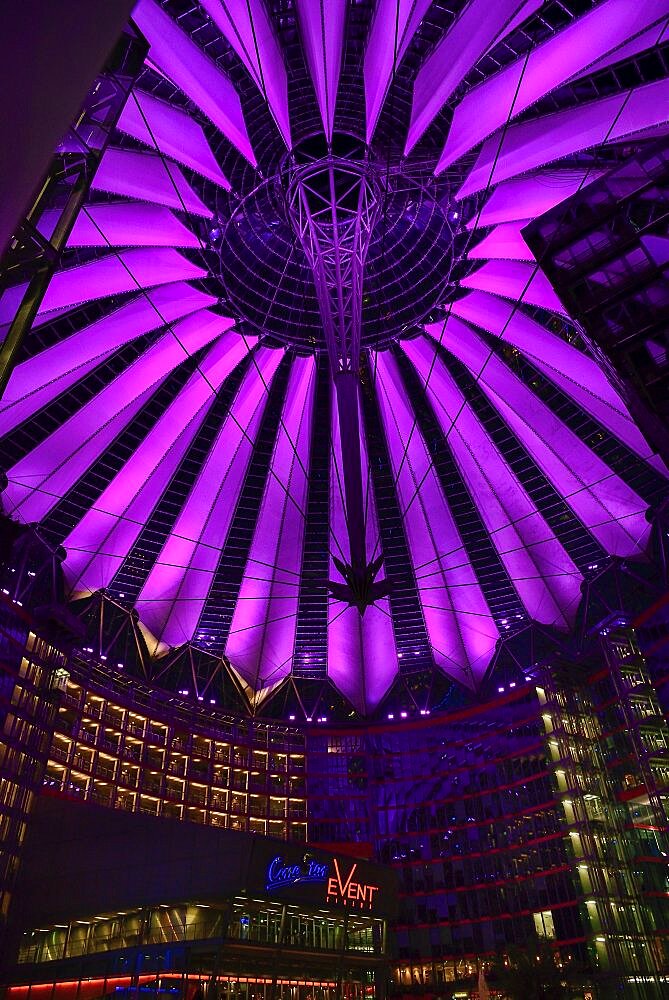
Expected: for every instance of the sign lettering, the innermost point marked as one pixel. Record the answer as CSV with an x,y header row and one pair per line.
x,y
281,874
342,888
348,891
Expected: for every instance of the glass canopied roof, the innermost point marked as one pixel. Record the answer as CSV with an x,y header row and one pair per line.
x,y
300,394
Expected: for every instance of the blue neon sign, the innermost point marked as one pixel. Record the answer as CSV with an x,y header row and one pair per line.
x,y
281,873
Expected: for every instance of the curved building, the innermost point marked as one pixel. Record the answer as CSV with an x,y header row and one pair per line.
x,y
328,521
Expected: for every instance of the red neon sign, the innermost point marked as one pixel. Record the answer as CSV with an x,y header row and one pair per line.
x,y
348,891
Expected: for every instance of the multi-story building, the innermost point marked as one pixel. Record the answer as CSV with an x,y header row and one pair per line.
x,y
540,812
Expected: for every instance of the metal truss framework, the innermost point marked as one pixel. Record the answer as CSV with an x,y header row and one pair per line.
x,y
36,249
168,424
104,632
334,205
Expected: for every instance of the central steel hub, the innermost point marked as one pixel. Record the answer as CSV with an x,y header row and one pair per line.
x,y
333,205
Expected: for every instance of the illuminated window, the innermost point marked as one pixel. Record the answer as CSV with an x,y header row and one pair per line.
x,y
543,924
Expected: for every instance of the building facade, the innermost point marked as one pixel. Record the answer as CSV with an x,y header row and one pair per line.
x,y
541,812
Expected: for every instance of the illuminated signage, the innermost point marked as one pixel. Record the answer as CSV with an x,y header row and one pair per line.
x,y
280,873
350,892
342,887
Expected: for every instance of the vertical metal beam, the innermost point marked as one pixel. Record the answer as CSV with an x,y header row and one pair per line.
x,y
33,256
333,206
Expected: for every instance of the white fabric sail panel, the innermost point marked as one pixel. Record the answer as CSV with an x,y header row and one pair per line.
x,y
516,280
130,224
340,542
547,581
609,508
40,480
569,368
147,177
519,85
45,474
362,639
461,629
262,635
41,378
529,145
247,26
322,25
394,25
172,133
102,539
504,242
477,28
11,300
111,274
528,197
183,62
646,40
362,653
175,590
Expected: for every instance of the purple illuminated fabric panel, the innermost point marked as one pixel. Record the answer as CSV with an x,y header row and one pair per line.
x,y
10,300
461,629
362,660
505,242
183,62
105,535
477,28
514,279
646,40
147,177
262,636
39,379
130,224
574,372
322,28
658,248
172,132
518,86
528,197
176,589
394,25
114,273
604,503
41,479
362,654
533,144
49,470
547,581
246,25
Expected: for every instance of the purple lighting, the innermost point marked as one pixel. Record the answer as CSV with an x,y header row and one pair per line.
x,y
130,224
322,27
534,144
147,177
116,273
565,55
394,25
194,73
298,396
172,132
246,25
476,30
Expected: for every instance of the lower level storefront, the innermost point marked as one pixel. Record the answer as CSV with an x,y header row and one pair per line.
x,y
243,948
194,986
114,905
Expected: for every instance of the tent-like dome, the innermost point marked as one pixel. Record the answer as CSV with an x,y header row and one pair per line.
x,y
300,394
